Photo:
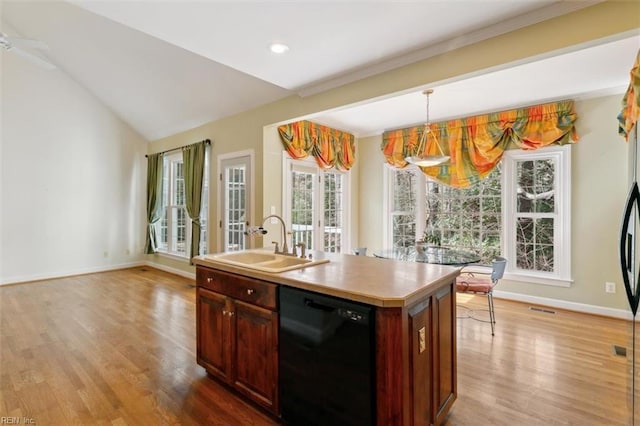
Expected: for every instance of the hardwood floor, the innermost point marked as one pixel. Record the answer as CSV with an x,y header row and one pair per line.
x,y
540,368
119,348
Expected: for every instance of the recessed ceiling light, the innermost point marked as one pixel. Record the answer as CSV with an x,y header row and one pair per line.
x,y
279,48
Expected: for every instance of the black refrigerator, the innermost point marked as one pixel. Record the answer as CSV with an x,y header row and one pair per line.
x,y
630,266
630,235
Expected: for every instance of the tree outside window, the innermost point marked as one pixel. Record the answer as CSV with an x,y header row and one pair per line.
x,y
521,210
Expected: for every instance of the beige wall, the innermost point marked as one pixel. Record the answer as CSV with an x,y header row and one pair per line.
x,y
255,129
599,189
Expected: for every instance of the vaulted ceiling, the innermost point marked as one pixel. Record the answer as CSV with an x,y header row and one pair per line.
x,y
166,67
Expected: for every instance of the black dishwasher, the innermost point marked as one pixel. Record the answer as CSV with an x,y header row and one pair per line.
x,y
327,360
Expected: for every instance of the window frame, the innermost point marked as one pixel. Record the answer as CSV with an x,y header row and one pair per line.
x,y
309,165
561,156
388,194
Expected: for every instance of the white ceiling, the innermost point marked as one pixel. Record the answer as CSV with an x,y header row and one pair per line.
x,y
165,67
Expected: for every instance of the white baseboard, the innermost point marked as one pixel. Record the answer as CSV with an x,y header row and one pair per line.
x,y
50,276
563,304
169,269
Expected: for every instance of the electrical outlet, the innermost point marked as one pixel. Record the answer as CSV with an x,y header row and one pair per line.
x,y
610,287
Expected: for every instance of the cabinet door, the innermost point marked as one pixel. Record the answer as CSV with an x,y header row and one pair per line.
x,y
444,341
256,355
421,353
213,328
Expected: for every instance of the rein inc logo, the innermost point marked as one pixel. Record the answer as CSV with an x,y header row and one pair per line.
x,y
4,420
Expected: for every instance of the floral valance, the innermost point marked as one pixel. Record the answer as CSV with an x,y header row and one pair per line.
x,y
476,144
630,102
330,147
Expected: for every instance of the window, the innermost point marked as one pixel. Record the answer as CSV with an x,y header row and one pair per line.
x,y
402,217
537,213
315,204
174,227
467,219
521,210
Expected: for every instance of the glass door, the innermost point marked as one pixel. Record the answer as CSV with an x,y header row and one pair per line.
x,y
235,179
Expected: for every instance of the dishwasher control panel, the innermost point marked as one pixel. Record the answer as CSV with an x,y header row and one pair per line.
x,y
352,315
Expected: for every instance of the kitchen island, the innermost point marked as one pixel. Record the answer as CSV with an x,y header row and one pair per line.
x,y
415,332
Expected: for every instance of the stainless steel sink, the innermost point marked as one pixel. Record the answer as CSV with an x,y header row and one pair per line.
x,y
261,260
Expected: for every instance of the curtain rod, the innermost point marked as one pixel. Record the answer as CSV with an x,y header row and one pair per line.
x,y
207,141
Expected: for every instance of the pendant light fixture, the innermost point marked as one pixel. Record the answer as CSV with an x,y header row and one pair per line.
x,y
418,158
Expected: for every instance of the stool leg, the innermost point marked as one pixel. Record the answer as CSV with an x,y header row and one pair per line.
x,y
492,314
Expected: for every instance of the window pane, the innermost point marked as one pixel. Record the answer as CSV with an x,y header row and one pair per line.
x,y
235,214
404,230
204,209
535,186
302,207
181,230
163,234
466,219
404,205
332,212
178,182
534,244
404,195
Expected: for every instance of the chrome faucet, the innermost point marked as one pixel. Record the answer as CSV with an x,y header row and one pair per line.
x,y
285,247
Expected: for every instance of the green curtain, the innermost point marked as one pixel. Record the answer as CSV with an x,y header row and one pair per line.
x,y
193,168
154,199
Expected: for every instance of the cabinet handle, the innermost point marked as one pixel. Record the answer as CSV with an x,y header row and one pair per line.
x,y
250,291
209,279
224,312
230,313
422,340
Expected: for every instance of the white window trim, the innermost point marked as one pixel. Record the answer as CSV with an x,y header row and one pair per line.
x,y
562,229
387,190
309,162
251,202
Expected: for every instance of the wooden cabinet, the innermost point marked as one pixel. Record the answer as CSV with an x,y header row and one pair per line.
x,y
444,350
416,360
213,331
237,333
415,346
421,361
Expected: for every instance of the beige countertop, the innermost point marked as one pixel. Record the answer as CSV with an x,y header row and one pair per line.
x,y
378,282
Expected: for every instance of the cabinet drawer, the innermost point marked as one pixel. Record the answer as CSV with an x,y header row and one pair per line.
x,y
247,289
